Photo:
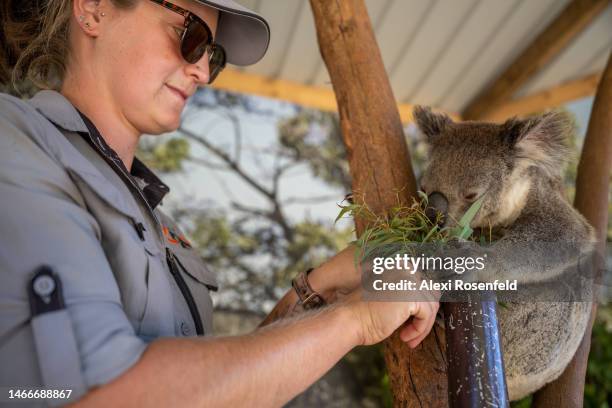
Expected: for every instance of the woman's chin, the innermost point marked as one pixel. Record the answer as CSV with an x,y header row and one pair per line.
x,y
168,121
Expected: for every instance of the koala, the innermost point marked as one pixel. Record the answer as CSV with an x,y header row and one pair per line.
x,y
517,167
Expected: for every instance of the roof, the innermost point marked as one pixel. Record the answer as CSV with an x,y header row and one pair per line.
x,y
441,53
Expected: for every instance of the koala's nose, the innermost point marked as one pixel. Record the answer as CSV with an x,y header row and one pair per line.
x,y
437,204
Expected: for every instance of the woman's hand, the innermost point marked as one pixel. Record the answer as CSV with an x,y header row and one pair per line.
x,y
340,279
379,319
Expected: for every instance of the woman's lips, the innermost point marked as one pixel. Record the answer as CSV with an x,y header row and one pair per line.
x,y
178,92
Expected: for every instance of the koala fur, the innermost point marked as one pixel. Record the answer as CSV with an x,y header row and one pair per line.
x,y
518,165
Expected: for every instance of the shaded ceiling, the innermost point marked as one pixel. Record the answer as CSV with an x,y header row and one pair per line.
x,y
441,52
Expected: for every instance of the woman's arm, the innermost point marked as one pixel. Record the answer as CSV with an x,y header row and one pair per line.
x,y
264,369
338,274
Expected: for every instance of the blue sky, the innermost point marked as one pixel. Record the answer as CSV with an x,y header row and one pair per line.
x,y
581,108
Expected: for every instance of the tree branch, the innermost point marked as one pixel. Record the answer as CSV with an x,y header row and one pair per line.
x,y
251,210
207,164
310,200
233,165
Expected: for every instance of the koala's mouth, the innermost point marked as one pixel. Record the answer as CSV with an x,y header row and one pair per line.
x,y
482,219
453,221
492,219
452,213
482,222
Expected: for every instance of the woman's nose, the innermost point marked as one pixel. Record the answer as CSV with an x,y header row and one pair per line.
x,y
200,70
437,203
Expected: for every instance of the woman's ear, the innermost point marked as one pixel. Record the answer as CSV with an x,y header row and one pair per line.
x,y
89,14
431,124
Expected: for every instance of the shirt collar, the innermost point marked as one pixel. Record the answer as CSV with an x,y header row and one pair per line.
x,y
55,107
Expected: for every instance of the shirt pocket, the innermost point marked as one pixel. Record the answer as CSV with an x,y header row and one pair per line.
x,y
200,280
192,264
133,253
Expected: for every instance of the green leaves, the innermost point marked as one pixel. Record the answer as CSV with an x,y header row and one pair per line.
x,y
463,229
166,156
351,208
314,138
405,225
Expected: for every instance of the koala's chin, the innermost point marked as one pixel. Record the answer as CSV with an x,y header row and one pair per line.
x,y
522,161
509,204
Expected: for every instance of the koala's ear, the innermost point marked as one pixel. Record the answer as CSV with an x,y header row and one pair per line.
x,y
431,124
540,141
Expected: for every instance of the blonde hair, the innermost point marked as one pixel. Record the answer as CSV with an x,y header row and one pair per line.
x,y
35,37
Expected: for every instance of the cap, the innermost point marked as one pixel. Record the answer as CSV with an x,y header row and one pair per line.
x,y
244,34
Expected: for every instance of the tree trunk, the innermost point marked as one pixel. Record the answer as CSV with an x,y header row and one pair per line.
x,y
592,186
371,126
382,177
380,168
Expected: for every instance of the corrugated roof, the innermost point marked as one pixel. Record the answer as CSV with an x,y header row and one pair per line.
x,y
441,52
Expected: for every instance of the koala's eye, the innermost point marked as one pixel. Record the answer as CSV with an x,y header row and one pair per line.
x,y
470,196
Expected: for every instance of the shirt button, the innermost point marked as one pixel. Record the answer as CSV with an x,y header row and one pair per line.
x,y
44,285
185,329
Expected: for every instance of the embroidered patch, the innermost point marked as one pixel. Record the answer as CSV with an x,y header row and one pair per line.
x,y
174,238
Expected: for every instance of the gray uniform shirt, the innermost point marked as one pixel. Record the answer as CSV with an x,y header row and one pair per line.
x,y
63,204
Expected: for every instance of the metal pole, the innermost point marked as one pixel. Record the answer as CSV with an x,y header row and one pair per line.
x,y
473,348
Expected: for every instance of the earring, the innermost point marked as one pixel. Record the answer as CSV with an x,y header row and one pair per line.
x,y
81,17
88,25
103,14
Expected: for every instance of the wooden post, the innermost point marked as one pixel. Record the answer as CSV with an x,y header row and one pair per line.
x,y
371,126
380,168
592,184
382,173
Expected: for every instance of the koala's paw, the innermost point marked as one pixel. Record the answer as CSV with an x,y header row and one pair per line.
x,y
471,262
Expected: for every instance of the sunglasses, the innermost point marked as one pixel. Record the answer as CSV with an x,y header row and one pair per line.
x,y
196,39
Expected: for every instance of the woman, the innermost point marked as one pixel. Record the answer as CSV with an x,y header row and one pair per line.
x,y
101,293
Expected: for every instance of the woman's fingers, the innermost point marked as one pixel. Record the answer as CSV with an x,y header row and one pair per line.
x,y
419,326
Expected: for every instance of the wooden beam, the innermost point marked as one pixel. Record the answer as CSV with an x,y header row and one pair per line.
x,y
547,99
316,97
548,44
246,83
